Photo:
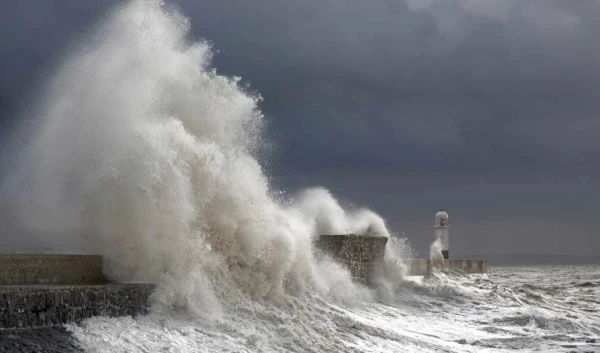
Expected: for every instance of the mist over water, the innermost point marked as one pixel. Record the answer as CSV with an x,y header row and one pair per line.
x,y
435,251
141,152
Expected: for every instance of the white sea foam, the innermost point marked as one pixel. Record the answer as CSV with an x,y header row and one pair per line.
x,y
516,309
146,153
435,252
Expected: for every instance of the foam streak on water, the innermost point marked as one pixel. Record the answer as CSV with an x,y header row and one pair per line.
x,y
546,309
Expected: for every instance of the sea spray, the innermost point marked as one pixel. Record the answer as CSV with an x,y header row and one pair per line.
x,y
435,253
389,276
150,156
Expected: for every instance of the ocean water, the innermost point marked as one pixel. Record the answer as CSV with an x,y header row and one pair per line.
x,y
137,149
525,309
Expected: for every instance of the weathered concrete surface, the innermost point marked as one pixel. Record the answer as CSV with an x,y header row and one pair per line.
x,y
48,305
421,267
361,254
49,268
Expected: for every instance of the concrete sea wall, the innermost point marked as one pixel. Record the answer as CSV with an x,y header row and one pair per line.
x,y
27,306
43,290
47,290
363,254
50,268
422,267
360,254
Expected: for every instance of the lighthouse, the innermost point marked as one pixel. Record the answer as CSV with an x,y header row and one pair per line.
x,y
441,237
441,231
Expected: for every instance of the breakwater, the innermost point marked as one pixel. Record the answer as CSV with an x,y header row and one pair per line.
x,y
422,267
363,254
21,269
360,254
46,290
26,306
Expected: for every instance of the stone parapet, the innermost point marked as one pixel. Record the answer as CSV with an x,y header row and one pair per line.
x,y
422,267
27,306
50,269
359,253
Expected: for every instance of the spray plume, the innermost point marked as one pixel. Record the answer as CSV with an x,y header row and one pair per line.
x,y
144,154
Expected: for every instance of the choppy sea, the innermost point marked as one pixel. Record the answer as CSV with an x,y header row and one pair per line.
x,y
525,309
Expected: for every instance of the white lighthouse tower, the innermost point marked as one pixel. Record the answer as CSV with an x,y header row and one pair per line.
x,y
441,231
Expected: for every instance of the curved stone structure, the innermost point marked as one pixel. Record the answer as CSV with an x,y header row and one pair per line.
x,y
360,253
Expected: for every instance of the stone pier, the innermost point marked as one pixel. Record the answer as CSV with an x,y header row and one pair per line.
x,y
359,253
42,290
422,267
363,254
50,269
42,305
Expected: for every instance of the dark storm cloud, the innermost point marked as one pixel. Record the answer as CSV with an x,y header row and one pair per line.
x,y
488,108
469,85
485,107
34,35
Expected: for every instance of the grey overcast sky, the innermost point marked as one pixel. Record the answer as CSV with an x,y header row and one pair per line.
x,y
488,109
